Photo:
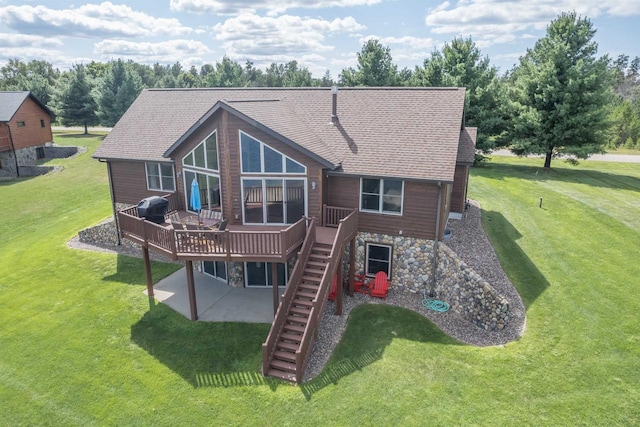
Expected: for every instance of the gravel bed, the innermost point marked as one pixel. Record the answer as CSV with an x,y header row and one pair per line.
x,y
471,244
131,250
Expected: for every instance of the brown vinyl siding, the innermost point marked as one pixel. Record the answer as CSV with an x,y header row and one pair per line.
x,y
32,133
130,182
418,217
459,193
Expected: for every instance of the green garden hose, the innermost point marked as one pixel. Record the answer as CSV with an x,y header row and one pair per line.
x,y
434,304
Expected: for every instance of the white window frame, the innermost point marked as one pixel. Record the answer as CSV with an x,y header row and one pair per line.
x,y
206,160
381,198
262,168
147,165
366,259
264,196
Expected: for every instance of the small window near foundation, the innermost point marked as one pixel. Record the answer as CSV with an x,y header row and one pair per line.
x,y
41,123
20,124
378,258
40,153
0,164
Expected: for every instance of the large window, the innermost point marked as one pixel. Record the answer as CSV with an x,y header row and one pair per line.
x,y
378,258
209,186
273,200
160,176
381,195
205,155
216,269
260,158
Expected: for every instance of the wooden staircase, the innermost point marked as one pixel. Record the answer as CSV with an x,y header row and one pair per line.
x,y
283,364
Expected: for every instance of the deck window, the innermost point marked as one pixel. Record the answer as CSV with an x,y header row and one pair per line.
x,y
160,176
381,195
378,258
260,158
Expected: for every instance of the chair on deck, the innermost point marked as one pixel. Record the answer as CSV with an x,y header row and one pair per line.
x,y
173,217
380,285
220,236
360,284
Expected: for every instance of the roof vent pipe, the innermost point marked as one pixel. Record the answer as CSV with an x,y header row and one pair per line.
x,y
334,107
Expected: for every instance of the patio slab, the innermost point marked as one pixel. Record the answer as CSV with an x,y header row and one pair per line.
x,y
216,301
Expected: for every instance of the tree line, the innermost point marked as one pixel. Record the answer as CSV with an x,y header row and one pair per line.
x,y
562,99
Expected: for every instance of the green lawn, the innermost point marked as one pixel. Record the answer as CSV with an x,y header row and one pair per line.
x,y
81,345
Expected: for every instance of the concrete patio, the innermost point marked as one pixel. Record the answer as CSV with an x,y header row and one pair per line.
x,y
216,301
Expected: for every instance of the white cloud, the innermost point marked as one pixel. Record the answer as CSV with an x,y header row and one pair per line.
x,y
492,22
26,40
188,52
253,36
233,7
90,20
408,42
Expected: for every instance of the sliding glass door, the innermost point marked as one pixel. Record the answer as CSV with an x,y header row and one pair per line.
x,y
273,200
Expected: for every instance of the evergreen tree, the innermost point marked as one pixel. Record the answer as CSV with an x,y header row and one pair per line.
x,y
559,94
77,106
115,93
375,67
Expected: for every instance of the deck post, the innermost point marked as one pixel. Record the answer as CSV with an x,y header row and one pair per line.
x,y
339,287
274,282
193,305
352,265
147,269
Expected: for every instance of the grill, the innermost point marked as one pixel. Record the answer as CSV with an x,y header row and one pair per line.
x,y
153,209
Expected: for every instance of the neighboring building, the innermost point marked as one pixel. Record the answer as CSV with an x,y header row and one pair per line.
x,y
397,158
25,128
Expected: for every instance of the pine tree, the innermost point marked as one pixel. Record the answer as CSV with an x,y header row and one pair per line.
x,y
117,90
77,106
559,94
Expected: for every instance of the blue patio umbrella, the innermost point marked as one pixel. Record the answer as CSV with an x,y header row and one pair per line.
x,y
194,201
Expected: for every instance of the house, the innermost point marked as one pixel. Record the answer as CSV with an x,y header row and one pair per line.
x,y
314,183
25,128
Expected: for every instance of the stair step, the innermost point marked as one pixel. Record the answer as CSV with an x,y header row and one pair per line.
x,y
320,265
303,302
321,250
291,337
310,286
300,310
287,376
297,320
283,366
294,329
285,356
310,295
287,346
311,279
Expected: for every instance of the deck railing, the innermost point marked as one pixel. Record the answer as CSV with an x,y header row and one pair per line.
x,y
347,230
269,346
277,246
331,215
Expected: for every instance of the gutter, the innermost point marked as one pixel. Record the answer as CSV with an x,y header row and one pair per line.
x,y
434,267
113,200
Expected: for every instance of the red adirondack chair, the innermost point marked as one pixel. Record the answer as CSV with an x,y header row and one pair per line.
x,y
334,288
380,286
360,284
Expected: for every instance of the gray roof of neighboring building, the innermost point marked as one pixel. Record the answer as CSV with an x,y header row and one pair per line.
x,y
393,132
11,101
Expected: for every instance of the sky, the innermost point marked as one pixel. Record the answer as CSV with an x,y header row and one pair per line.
x,y
321,35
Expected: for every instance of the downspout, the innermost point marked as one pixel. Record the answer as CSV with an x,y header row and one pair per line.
x,y
434,267
13,149
113,200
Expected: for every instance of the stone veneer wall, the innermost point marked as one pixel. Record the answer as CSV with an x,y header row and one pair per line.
x,y
468,294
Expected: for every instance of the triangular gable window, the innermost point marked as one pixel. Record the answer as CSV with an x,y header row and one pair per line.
x,y
205,155
260,158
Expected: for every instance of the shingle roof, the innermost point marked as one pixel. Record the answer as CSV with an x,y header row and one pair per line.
x,y
9,104
394,132
11,101
467,146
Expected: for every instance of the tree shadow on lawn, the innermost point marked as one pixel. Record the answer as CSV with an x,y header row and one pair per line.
x,y
522,272
581,176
